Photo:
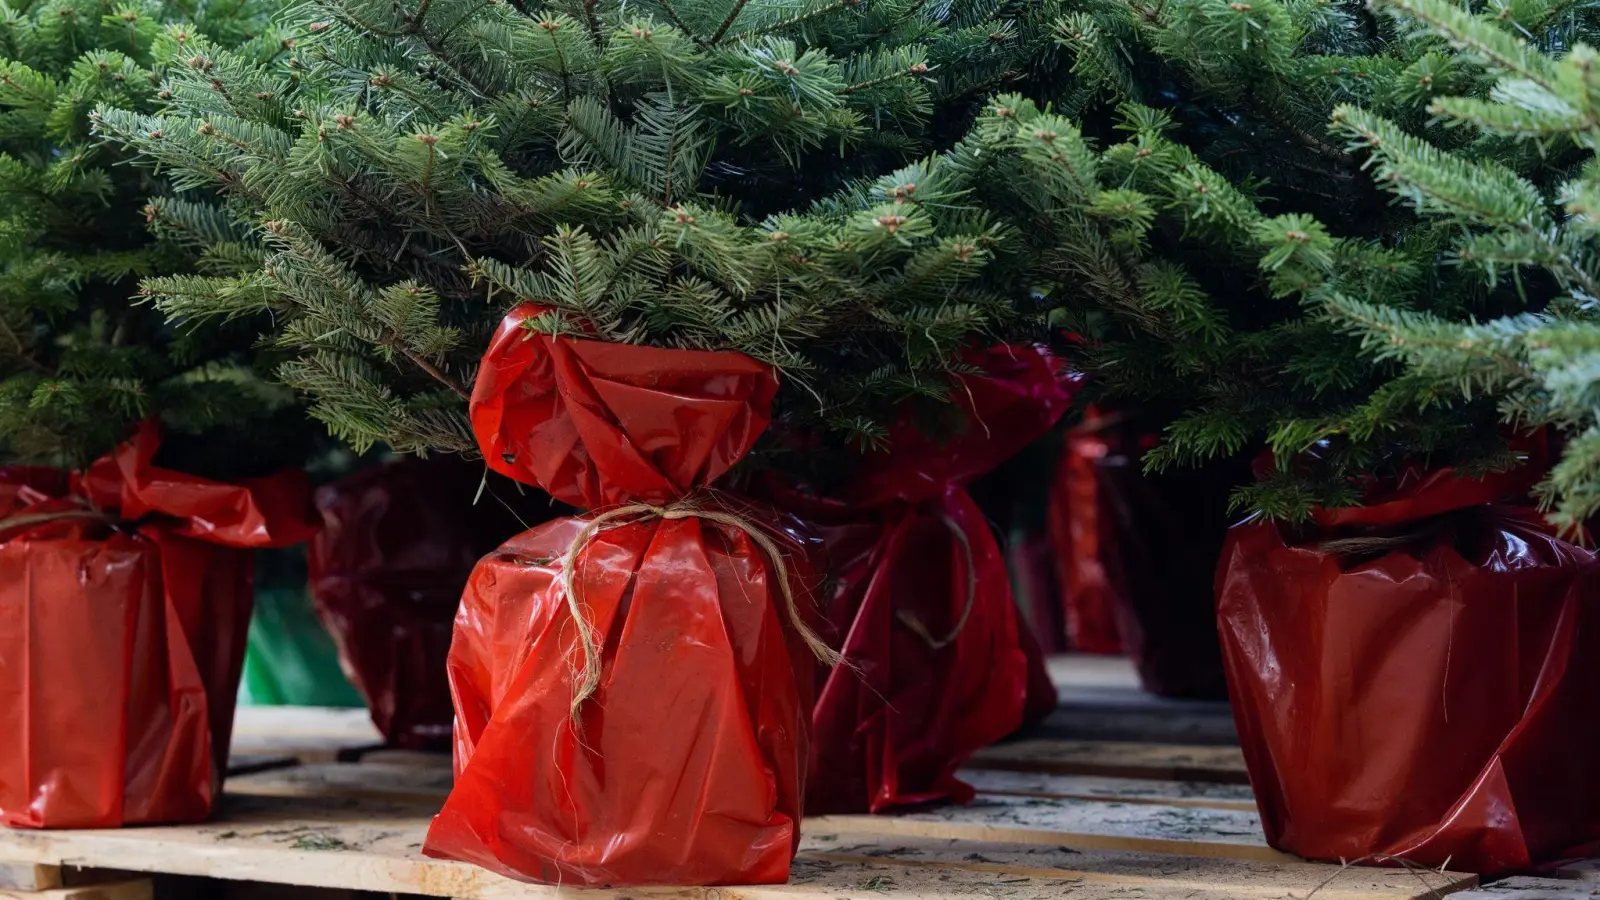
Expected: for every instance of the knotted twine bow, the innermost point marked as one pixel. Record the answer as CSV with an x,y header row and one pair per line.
x,y
589,676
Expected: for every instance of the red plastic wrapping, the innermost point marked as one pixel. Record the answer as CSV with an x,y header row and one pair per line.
x,y
1432,700
922,604
687,766
1087,596
387,571
121,650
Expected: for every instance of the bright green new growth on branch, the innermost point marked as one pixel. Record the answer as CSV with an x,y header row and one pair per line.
x,y
758,176
79,360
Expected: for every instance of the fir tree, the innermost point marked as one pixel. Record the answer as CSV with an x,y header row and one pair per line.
x,y
79,359
766,177
1197,222
1517,187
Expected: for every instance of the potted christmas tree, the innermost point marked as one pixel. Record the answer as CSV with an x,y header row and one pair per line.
x,y
685,233
1213,240
101,540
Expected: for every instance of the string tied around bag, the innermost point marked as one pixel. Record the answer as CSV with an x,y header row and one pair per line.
x,y
28,520
914,624
588,681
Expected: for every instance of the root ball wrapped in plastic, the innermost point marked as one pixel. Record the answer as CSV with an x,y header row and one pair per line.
x,y
125,597
938,663
1414,680
628,710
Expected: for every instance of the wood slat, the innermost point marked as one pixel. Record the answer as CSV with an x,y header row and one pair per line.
x,y
1133,871
417,777
1533,889
1116,759
308,733
374,846
1119,790
1097,825
1095,813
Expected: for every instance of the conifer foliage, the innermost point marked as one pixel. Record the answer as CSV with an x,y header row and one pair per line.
x,y
1519,188
1200,224
79,360
726,174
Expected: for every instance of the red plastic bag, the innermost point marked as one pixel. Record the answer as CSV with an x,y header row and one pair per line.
x,y
386,574
922,609
123,648
1087,596
687,765
1433,699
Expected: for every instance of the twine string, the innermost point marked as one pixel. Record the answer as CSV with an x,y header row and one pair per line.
x,y
588,680
30,519
913,624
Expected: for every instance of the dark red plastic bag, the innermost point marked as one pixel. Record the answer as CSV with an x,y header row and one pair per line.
x,y
922,608
1435,702
122,648
387,570
687,765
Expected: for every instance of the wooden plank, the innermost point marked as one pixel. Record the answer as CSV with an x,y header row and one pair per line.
x,y
1581,870
1072,671
1533,889
1121,818
1116,790
1113,716
308,733
28,877
373,846
1094,825
406,776
1115,759
396,783
1138,871
136,889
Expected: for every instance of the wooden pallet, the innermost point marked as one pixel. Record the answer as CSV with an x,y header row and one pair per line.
x,y
315,805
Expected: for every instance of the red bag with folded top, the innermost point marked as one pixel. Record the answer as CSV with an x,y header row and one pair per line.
x,y
125,595
1416,679
922,606
686,766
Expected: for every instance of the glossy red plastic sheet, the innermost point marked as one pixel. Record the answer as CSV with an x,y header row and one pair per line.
x,y
1432,702
598,424
922,605
687,766
121,650
387,570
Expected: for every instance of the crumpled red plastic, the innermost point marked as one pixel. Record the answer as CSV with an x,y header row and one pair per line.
x,y
687,767
922,606
1430,701
122,638
1088,598
387,569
